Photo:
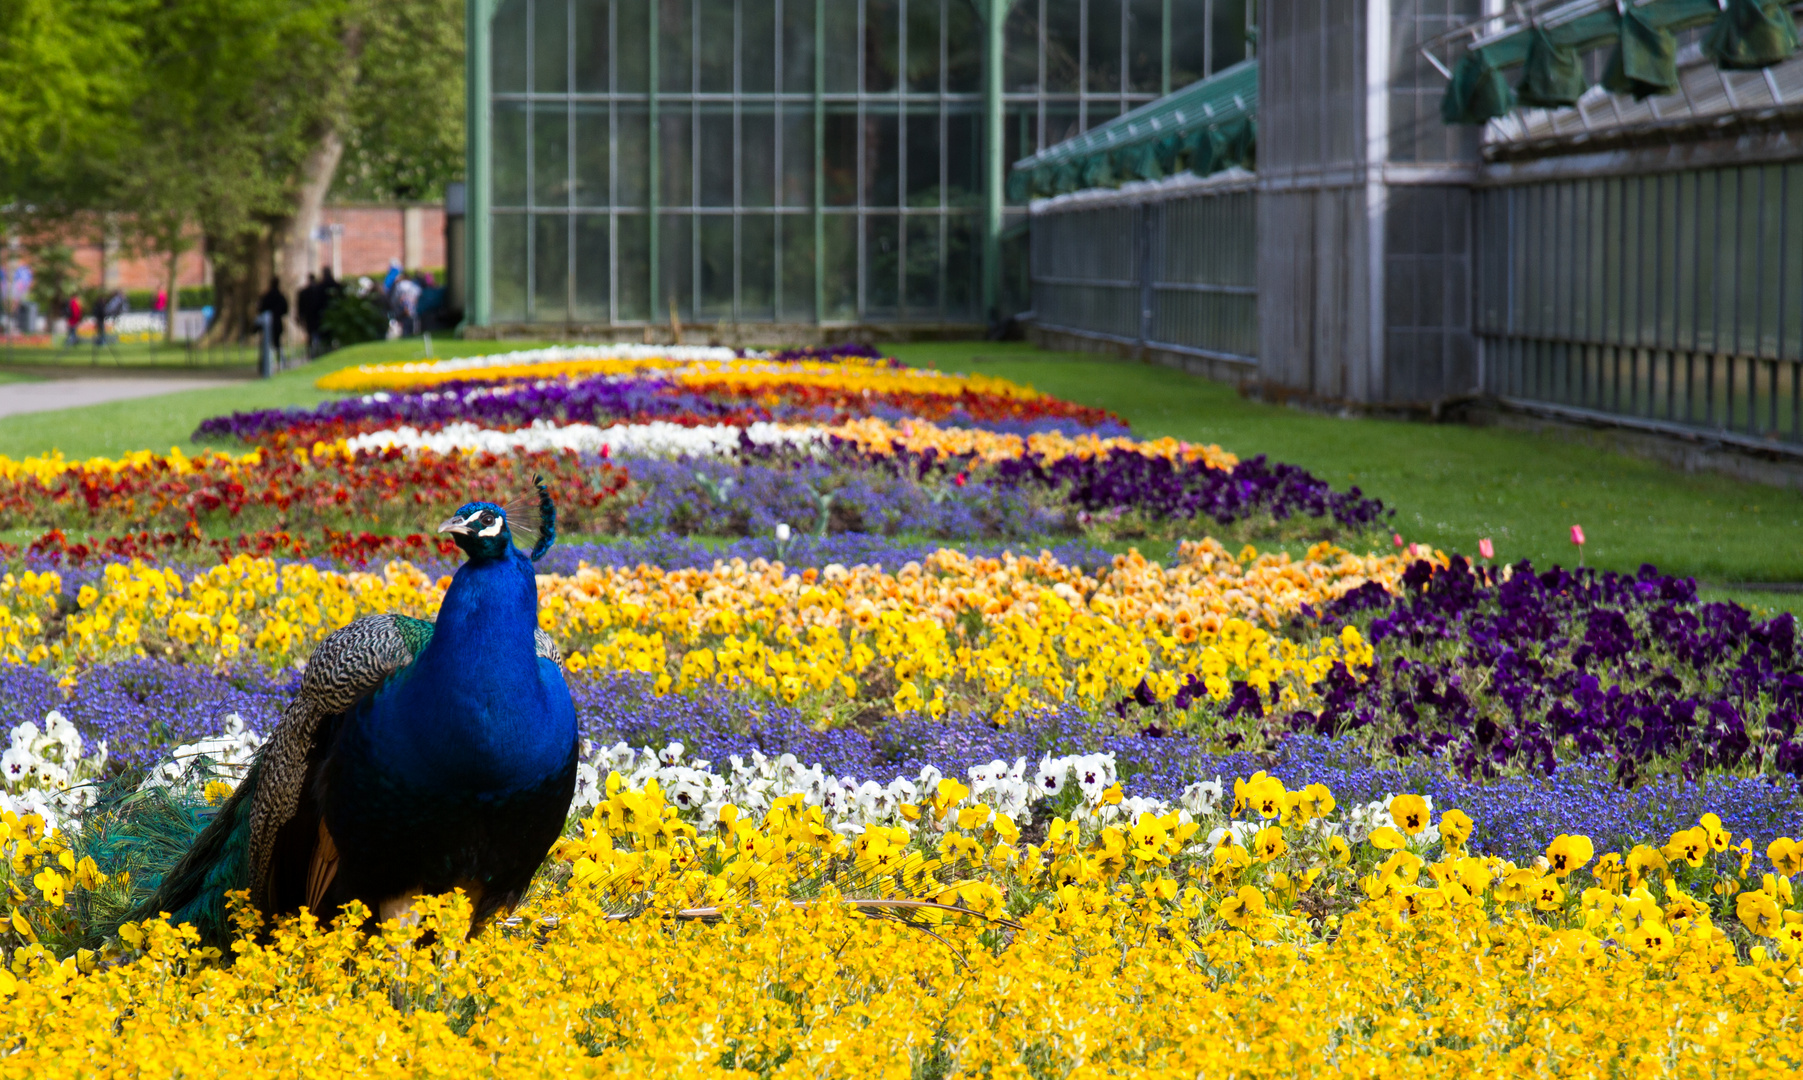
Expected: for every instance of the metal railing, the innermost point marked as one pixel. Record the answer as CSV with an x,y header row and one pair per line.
x,y
1661,301
1170,269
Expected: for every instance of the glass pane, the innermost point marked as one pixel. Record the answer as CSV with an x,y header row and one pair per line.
x,y
716,268
963,267
839,267
923,46
507,47
674,47
1229,33
923,158
882,156
882,35
963,157
676,185
550,268
1061,122
714,63
632,178
716,155
1189,41
798,47
757,47
592,261
591,47
676,279
757,267
551,46
509,181
550,154
757,156
963,47
923,265
635,267
841,47
508,286
798,267
1104,45
1020,128
1100,112
589,188
632,24
1020,64
798,156
882,256
1145,46
840,159
1063,48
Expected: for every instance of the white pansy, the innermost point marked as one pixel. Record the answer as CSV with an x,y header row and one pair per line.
x,y
658,438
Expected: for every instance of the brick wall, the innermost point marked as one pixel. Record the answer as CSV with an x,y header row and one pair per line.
x,y
372,235
375,234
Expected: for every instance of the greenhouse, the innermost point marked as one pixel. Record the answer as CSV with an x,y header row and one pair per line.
x,y
791,162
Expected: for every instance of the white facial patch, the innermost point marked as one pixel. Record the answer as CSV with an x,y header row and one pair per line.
x,y
495,529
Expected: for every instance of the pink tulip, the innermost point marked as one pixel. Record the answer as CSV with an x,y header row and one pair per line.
x,y
1577,535
1486,548
1397,537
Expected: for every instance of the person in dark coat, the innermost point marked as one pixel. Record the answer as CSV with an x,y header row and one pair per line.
x,y
309,304
277,305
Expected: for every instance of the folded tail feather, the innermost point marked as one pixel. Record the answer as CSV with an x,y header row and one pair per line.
x,y
180,862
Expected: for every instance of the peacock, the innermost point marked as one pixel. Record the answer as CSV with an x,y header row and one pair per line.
x,y
416,757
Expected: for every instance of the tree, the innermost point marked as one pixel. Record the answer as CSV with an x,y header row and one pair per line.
x,y
68,71
404,138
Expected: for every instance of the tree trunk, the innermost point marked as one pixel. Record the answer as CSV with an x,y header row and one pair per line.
x,y
174,304
241,268
295,235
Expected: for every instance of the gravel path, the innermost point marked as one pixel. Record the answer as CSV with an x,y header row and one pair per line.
x,y
30,397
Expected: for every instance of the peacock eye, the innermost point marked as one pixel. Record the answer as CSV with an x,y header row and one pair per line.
x,y
488,517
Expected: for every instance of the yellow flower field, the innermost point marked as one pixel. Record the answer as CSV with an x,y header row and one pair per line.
x,y
951,946
956,632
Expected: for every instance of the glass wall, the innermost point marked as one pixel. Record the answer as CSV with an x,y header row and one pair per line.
x,y
791,160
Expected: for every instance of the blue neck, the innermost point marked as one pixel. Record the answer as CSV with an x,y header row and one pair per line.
x,y
474,704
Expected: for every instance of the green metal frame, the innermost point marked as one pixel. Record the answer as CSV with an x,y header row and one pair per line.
x,y
986,104
479,111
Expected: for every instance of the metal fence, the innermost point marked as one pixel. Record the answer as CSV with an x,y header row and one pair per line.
x,y
1173,270
1659,300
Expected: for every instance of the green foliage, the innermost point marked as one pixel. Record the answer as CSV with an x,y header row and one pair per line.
x,y
352,320
68,70
404,136
54,274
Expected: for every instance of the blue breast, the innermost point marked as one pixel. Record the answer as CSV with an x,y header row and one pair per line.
x,y
478,712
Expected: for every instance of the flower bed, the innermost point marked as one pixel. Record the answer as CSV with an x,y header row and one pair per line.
x,y
851,800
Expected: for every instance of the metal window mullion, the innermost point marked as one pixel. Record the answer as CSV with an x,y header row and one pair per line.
x,y
863,271
653,166
901,158
738,158
695,160
613,165
531,199
569,165
819,160
1164,49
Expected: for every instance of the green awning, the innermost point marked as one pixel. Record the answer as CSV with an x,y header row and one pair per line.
x,y
1643,52
1204,128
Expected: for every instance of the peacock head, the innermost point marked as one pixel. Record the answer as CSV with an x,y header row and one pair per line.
x,y
480,529
486,531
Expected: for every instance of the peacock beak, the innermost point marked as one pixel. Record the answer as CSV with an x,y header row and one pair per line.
x,y
454,524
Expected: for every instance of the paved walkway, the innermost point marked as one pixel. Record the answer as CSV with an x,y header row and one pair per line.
x,y
30,397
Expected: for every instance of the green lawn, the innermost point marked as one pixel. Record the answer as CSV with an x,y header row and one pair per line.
x,y
167,420
136,354
1450,485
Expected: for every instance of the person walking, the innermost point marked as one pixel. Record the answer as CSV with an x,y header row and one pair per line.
x,y
309,304
73,313
276,305
111,308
